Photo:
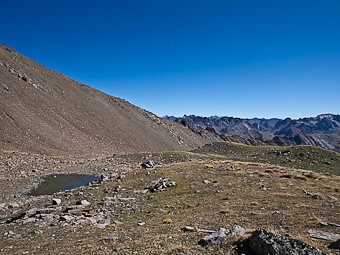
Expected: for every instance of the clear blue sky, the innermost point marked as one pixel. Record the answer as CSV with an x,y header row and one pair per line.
x,y
233,58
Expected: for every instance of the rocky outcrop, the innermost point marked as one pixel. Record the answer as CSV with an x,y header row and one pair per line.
x,y
262,242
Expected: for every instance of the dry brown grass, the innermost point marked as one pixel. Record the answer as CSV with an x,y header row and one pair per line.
x,y
248,195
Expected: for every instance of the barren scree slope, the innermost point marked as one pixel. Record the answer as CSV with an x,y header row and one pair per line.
x,y
46,112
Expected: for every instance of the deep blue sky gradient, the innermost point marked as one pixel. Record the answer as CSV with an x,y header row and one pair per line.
x,y
234,58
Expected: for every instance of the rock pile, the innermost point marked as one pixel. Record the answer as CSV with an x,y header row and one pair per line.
x,y
160,184
221,234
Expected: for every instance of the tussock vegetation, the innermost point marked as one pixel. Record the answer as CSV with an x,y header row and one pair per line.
x,y
210,192
303,157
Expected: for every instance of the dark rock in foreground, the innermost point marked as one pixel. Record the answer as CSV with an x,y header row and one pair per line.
x,y
335,245
262,242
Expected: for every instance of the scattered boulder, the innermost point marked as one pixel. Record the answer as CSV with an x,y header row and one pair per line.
x,y
83,203
148,164
206,230
214,238
13,205
323,235
307,193
167,221
56,201
221,234
262,242
16,216
105,223
140,191
66,218
188,229
327,205
160,184
315,196
2,206
111,238
237,231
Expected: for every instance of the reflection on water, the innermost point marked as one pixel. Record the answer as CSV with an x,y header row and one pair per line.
x,y
58,182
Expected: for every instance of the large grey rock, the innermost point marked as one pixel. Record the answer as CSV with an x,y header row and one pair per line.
x,y
262,242
218,236
323,235
214,238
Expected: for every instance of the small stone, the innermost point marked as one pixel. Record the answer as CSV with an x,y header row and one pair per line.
x,y
66,218
237,231
13,205
331,197
206,181
111,238
189,229
316,197
307,193
140,191
206,230
117,222
117,188
148,164
141,223
100,226
167,221
85,203
327,205
56,201
2,206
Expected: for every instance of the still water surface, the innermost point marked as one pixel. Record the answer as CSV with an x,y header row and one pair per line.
x,y
58,182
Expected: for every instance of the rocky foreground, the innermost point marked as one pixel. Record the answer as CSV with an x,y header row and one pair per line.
x,y
168,203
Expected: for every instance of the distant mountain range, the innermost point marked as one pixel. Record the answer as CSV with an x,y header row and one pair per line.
x,y
322,131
